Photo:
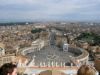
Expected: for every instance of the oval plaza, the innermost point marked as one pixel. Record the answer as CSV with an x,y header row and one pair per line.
x,y
42,57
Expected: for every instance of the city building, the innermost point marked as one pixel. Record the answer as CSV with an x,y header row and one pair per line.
x,y
7,59
38,44
2,49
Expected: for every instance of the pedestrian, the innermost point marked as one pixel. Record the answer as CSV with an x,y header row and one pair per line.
x,y
87,70
8,69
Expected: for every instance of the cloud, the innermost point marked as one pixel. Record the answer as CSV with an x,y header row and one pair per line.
x,y
49,9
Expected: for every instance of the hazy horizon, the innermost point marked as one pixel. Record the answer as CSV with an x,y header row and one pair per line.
x,y
49,10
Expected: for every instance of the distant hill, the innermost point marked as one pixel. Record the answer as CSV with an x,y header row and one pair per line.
x,y
15,23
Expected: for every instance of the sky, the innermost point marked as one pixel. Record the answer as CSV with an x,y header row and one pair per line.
x,y
49,10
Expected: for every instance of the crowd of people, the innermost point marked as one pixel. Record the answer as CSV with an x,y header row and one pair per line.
x,y
11,69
